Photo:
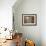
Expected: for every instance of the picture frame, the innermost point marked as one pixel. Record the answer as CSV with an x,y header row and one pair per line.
x,y
29,19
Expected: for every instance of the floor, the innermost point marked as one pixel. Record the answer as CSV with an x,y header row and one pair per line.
x,y
9,43
16,41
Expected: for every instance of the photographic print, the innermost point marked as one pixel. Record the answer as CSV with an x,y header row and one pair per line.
x,y
29,19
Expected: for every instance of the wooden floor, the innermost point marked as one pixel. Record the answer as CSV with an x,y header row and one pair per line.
x,y
9,43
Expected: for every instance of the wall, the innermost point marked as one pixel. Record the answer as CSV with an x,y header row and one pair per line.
x,y
43,22
6,16
28,7
6,13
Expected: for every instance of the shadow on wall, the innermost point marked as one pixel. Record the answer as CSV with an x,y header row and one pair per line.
x,y
17,4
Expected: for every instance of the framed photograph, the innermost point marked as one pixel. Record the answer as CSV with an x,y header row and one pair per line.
x,y
29,19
